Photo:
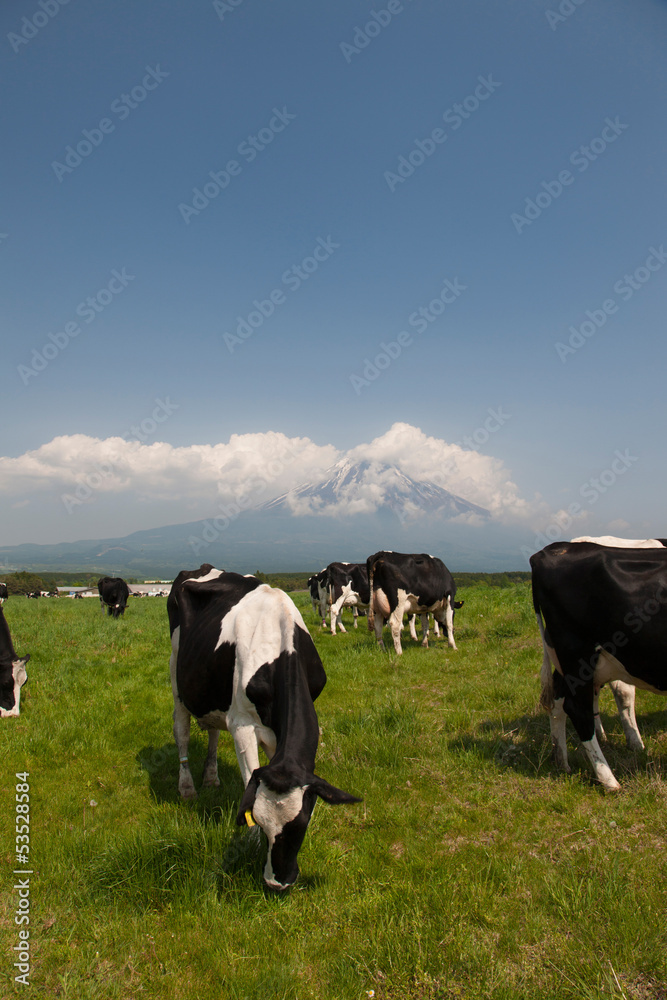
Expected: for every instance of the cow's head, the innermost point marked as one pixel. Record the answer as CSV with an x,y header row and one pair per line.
x,y
12,679
281,801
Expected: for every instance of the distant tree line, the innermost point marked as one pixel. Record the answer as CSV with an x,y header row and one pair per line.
x,y
24,582
299,581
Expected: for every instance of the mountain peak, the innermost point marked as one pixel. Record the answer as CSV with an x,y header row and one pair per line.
x,y
363,487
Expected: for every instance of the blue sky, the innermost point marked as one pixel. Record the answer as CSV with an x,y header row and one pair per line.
x,y
319,114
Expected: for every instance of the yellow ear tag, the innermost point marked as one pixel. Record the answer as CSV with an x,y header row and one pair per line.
x,y
248,818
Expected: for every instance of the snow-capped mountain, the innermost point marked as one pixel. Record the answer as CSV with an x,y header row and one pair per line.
x,y
363,487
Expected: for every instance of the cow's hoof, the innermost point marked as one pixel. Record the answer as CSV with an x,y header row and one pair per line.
x,y
211,782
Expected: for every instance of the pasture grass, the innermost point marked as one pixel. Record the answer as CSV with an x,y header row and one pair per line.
x,y
472,869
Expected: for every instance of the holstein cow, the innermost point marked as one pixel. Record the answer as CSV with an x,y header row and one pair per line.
x,y
624,694
601,614
12,672
113,592
348,588
3,592
416,584
317,586
243,660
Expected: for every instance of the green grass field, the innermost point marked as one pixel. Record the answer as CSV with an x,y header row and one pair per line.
x,y
471,868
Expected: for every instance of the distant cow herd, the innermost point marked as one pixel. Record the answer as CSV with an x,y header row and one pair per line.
x,y
243,661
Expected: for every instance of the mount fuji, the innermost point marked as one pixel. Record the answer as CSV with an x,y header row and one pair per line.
x,y
357,508
361,487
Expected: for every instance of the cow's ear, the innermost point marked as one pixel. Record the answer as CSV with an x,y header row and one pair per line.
x,y
248,801
334,796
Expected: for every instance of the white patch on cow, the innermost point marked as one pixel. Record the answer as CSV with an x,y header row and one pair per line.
x,y
608,668
273,811
20,677
624,696
600,767
611,541
213,575
261,626
449,623
381,603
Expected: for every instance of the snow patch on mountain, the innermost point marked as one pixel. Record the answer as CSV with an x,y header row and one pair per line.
x,y
364,487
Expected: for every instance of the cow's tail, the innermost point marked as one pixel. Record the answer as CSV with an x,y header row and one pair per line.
x,y
546,672
371,613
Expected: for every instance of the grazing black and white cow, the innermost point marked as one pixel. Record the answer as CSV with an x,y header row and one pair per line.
x,y
12,672
3,593
416,584
114,593
347,588
243,660
624,694
317,587
601,614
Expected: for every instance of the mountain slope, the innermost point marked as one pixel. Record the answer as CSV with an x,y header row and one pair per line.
x,y
361,487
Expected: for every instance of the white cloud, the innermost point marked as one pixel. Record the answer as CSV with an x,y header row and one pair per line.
x,y
469,474
265,463
193,480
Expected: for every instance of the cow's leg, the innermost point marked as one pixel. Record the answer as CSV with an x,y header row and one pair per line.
x,y
578,704
412,626
424,621
624,695
378,625
396,625
355,615
186,785
247,753
436,627
449,623
336,617
211,778
558,720
599,728
601,769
